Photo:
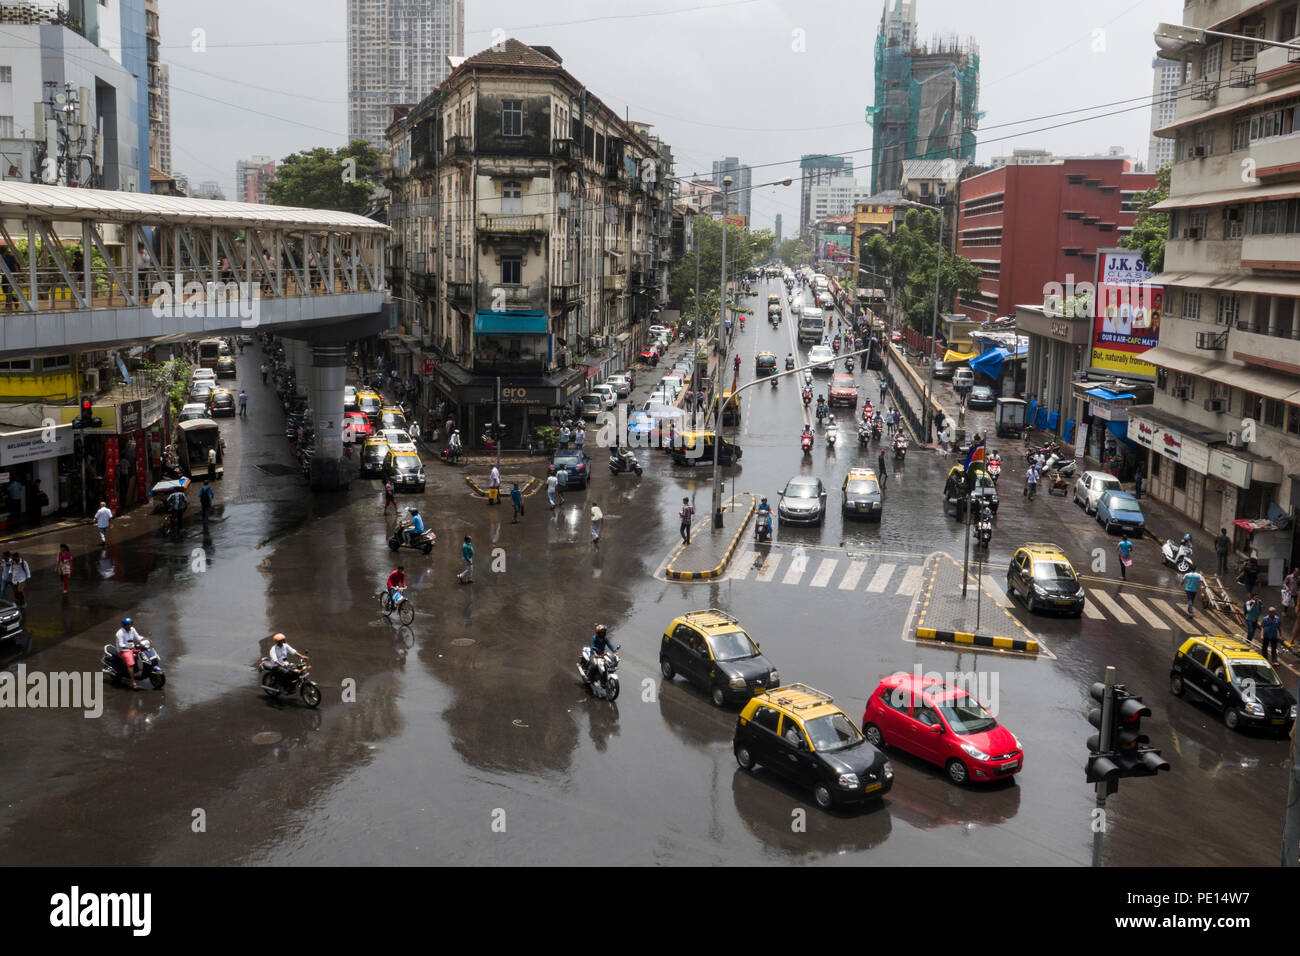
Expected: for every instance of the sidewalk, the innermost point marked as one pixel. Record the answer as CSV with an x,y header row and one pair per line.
x,y
977,619
711,549
48,527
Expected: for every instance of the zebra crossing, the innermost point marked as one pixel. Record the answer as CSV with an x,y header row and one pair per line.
x,y
895,575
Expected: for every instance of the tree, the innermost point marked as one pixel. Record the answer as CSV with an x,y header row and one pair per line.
x,y
323,179
908,260
743,250
1151,228
796,252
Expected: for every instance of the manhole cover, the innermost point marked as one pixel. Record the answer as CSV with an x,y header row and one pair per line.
x,y
267,737
277,471
462,642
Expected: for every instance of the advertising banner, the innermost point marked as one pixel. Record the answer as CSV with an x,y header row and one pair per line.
x,y
834,246
1128,312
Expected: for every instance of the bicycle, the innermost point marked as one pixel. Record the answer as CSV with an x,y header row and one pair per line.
x,y
401,604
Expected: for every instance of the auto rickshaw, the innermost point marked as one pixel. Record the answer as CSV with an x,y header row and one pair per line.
x,y
765,364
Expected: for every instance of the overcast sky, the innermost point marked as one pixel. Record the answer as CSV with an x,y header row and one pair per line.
x,y
715,78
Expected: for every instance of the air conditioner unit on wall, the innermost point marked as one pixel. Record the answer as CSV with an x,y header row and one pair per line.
x,y
1215,405
1192,233
1182,391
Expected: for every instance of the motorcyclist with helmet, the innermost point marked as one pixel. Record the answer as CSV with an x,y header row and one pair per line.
x,y
600,642
127,640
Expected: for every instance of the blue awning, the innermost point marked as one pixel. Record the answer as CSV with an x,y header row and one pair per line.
x,y
1120,431
990,363
523,322
1107,394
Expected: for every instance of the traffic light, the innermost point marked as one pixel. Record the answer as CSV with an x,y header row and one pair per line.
x,y
1135,758
1103,766
86,413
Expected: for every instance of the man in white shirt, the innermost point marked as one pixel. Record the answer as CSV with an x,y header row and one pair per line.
x,y
127,639
494,484
102,517
281,649
552,490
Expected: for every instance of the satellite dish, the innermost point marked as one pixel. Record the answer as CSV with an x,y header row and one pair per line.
x,y
60,98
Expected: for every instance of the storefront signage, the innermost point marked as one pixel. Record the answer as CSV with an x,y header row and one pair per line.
x,y
514,395
151,410
427,365
128,417
1127,314
1230,468
35,444
1142,432
1060,329
1110,410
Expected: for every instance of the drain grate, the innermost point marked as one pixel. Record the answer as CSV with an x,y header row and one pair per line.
x,y
277,471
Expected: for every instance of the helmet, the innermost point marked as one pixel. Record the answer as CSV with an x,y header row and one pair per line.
x,y
279,638
601,630
1188,537
127,622
765,499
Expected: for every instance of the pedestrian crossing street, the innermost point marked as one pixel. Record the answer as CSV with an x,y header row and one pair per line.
x,y
904,575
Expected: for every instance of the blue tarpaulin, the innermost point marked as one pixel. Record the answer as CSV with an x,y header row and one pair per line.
x,y
990,362
1120,431
523,322
1107,394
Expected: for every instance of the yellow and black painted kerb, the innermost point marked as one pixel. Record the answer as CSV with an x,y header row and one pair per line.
x,y
1027,645
716,571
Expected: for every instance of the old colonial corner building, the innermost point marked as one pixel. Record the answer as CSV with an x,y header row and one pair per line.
x,y
532,232
1229,346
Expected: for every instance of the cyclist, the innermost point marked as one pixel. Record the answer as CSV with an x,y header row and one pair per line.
x,y
396,581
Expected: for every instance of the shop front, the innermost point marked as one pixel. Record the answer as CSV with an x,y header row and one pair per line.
x,y
526,403
1103,430
35,462
1057,345
1178,462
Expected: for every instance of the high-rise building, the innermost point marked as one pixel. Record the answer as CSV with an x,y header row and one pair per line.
x,y
93,46
815,169
1221,440
776,228
926,97
252,176
1168,76
740,181
397,54
160,136
835,197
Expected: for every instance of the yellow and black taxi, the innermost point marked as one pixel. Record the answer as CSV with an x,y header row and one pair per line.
x,y
712,651
226,367
764,364
861,495
1043,576
1232,677
405,469
221,402
774,300
374,455
370,403
390,416
698,448
799,733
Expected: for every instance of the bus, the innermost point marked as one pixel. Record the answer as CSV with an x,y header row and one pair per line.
x,y
209,353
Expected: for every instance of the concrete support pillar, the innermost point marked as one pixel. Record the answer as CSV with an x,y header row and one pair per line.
x,y
300,359
328,375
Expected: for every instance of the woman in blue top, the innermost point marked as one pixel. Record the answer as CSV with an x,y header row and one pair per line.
x,y
1125,549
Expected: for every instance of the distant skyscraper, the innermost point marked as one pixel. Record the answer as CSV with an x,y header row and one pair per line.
x,y
816,169
1164,99
926,98
397,53
777,229
252,176
739,183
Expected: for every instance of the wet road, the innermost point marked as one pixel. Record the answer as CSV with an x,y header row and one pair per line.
x,y
467,738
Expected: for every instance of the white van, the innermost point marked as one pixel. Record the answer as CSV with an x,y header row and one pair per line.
x,y
821,283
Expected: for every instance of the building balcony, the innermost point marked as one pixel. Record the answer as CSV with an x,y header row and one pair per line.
x,y
1277,159
565,293
565,151
514,223
1277,60
460,293
1271,252
614,283
459,149
1279,351
514,297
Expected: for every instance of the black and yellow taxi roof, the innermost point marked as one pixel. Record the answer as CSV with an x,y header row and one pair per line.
x,y
798,701
1231,648
859,474
710,621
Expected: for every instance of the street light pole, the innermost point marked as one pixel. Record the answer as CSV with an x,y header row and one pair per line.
x,y
927,413
722,365
695,353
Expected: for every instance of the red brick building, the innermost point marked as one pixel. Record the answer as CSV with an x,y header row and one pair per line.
x,y
1031,224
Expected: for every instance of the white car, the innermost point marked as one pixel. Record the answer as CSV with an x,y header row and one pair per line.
x,y
658,397
1091,486
658,329
203,375
398,440
822,358
610,393
621,384
192,410
676,379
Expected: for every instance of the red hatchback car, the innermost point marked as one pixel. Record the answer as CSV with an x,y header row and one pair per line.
x,y
357,427
938,722
843,390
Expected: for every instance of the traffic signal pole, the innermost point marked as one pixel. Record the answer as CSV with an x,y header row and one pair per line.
x,y
1106,744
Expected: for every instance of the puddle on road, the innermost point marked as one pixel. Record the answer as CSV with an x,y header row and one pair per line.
x,y
462,642
267,737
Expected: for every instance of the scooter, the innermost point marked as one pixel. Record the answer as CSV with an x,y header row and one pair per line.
x,y
789,363
1177,556
994,467
875,429
984,529
774,379
864,433
276,685
900,448
147,664
822,410
621,464
605,686
763,526
423,541
807,397
832,433
806,443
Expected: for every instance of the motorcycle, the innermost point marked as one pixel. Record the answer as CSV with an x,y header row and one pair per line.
x,y
822,410
876,431
994,467
848,363
605,686
835,346
807,397
900,448
806,443
984,529
868,412
789,363
1177,556
147,664
622,464
763,526
864,433
423,541
276,685
1047,451
774,379
832,433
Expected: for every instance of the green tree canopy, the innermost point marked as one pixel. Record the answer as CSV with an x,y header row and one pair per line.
x,y
323,179
908,260
743,250
795,252
1151,228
